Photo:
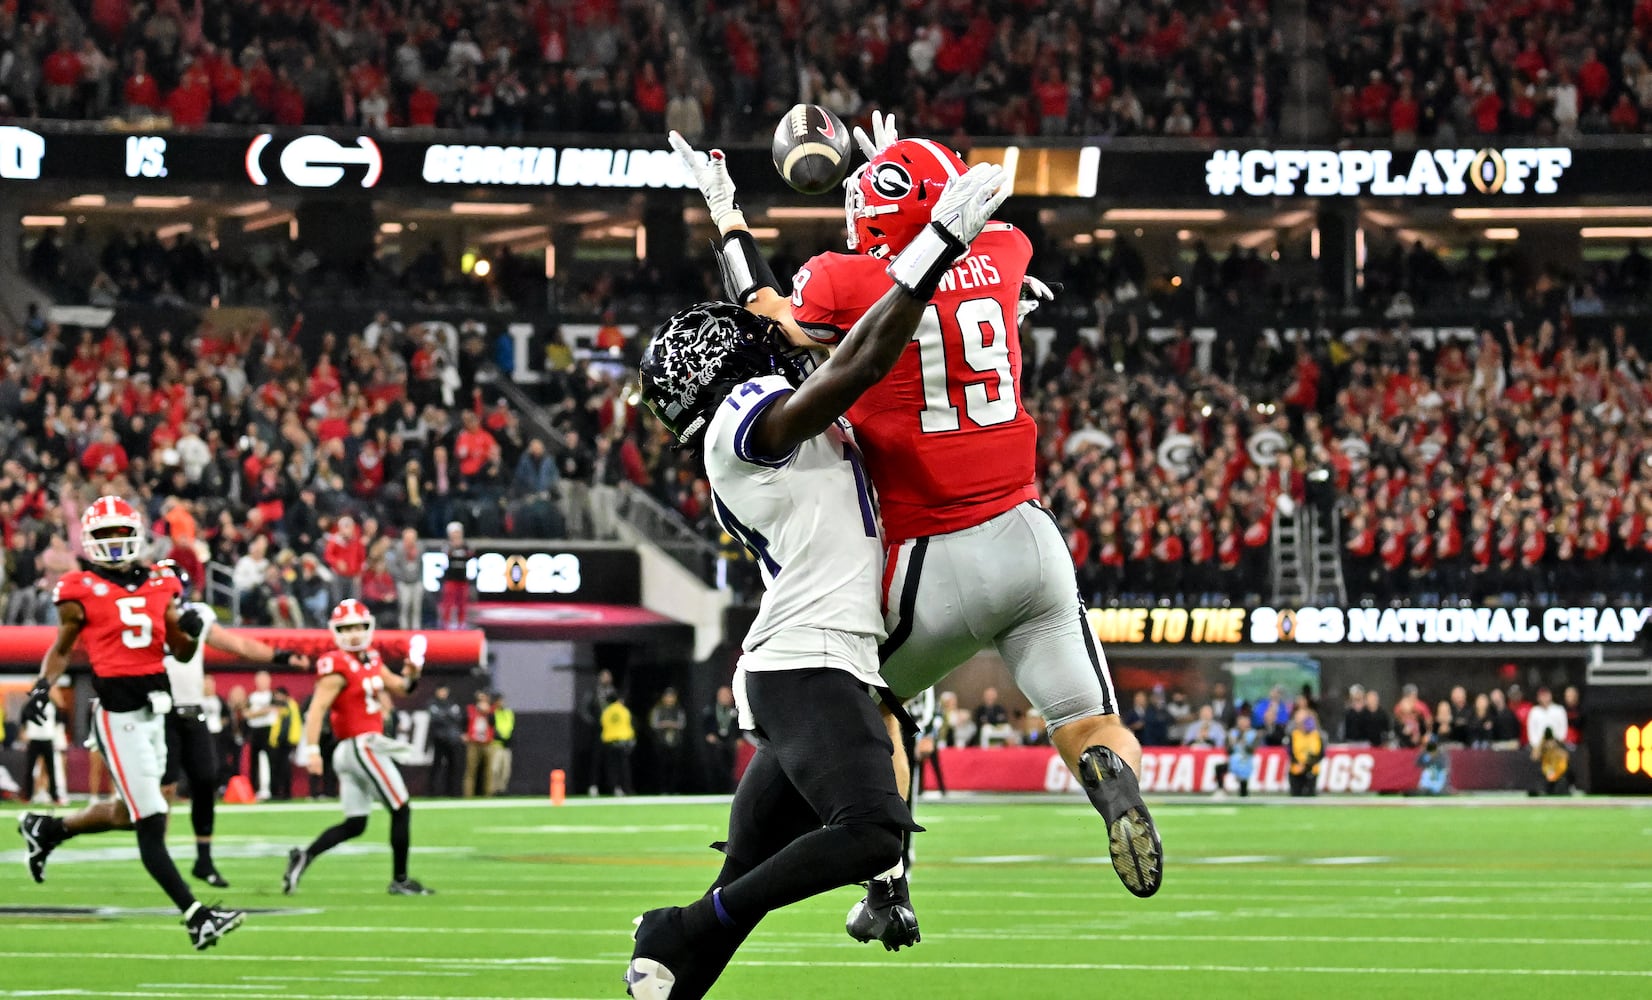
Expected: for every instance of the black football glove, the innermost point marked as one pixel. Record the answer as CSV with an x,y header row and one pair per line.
x,y
191,623
40,696
282,657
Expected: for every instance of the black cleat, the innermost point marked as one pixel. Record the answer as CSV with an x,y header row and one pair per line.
x,y
1138,856
40,835
209,923
885,916
663,960
409,887
297,861
208,873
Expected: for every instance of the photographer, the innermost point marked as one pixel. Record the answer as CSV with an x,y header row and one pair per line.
x,y
1435,766
1307,749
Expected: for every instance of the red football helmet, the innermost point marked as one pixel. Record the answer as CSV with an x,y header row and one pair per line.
x,y
889,199
352,625
111,533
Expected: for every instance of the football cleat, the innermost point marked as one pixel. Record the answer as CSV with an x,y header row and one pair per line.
x,y
39,837
663,959
409,887
1133,841
208,873
885,916
297,861
208,923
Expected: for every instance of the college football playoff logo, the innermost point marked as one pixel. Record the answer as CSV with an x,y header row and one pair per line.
x,y
315,161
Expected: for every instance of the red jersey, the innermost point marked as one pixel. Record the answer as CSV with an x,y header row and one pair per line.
x,y
356,710
944,435
125,632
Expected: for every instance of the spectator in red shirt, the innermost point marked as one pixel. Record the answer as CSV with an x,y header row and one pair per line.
x,y
1404,114
60,72
475,447
422,107
1593,79
1488,109
1625,116
649,96
191,103
1053,96
105,456
288,99
141,92
346,556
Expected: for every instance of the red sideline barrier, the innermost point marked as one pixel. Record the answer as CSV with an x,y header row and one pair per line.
x,y
1175,769
24,645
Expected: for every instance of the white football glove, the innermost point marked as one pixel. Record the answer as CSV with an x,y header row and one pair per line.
x,y
883,135
967,203
711,176
1041,293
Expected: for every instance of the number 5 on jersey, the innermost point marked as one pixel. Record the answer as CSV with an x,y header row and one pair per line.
x,y
140,628
982,372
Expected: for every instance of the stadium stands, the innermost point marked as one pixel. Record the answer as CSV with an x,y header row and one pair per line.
x,y
1060,68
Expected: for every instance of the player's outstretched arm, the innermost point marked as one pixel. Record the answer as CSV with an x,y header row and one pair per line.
x,y
326,692
254,651
71,619
878,339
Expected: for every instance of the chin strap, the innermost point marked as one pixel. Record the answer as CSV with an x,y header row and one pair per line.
x,y
743,267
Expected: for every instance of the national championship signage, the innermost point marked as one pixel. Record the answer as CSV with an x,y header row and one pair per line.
x,y
590,575
1267,626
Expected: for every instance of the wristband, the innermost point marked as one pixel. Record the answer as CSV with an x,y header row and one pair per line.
x,y
925,261
743,267
282,657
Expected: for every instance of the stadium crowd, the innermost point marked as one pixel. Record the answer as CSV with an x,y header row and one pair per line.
x,y
311,470
1060,67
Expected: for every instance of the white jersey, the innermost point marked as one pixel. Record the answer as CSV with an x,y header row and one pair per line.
x,y
810,521
188,676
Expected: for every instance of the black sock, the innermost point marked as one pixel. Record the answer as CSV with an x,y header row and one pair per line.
x,y
203,852
401,838
828,858
201,813
151,832
353,826
55,830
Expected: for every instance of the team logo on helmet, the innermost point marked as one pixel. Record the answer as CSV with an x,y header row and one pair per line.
x,y
891,180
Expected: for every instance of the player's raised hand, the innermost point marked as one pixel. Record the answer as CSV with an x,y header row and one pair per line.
x,y
883,135
966,204
1034,293
710,171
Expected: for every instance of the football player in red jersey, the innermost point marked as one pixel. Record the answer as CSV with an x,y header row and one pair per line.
x,y
973,558
352,687
127,614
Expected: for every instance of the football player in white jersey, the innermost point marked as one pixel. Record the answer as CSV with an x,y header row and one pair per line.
x,y
819,807
191,747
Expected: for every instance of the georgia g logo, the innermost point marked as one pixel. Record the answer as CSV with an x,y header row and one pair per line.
x,y
892,181
316,161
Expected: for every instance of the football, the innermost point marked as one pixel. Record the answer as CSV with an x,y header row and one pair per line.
x,y
811,149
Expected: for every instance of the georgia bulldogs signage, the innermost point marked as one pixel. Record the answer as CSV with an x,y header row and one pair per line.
x,y
315,161
1182,769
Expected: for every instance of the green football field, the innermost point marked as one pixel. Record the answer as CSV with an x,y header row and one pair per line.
x,y
1472,898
